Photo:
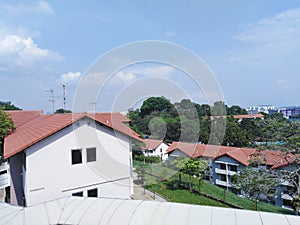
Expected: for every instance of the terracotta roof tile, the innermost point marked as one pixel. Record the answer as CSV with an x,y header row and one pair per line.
x,y
21,117
275,159
151,144
43,126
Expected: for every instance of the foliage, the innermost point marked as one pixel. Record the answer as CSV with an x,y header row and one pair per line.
x,y
191,167
6,125
147,159
8,106
62,111
255,183
155,104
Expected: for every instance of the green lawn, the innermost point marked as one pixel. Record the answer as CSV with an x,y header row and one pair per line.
x,y
160,183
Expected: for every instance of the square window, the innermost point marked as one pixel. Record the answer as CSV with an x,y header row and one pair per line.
x,y
78,194
92,193
223,166
91,154
76,156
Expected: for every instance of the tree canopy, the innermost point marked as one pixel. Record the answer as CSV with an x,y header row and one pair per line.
x,y
6,125
8,106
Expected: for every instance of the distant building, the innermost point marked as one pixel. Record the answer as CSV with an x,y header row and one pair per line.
x,y
260,108
155,148
287,111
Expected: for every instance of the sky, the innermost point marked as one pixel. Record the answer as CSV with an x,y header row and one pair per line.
x,y
252,48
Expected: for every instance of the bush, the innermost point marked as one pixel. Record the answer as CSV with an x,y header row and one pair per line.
x,y
147,159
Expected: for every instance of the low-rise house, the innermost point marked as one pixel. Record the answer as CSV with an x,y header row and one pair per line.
x,y
155,148
226,161
59,155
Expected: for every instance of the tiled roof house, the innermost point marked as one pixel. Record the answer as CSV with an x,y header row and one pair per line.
x,y
80,154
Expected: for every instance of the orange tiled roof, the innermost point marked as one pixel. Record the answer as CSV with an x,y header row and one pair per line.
x,y
43,126
247,116
275,159
151,143
21,117
195,150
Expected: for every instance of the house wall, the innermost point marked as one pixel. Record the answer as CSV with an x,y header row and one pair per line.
x,y
175,154
51,175
16,181
216,172
160,151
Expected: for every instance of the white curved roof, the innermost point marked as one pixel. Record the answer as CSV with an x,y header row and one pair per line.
x,y
80,210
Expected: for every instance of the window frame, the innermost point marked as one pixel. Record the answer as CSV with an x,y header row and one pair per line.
x,y
94,159
73,162
91,190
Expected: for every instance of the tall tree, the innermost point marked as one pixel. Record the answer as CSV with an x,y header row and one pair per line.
x,y
158,104
255,183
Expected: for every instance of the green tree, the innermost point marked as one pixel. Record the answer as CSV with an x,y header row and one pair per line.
x,y
62,111
8,106
6,125
191,167
236,110
235,135
158,104
255,183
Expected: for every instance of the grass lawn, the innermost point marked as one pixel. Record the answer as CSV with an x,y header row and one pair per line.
x,y
184,196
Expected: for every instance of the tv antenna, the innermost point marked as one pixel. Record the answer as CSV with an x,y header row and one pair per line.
x,y
52,98
64,96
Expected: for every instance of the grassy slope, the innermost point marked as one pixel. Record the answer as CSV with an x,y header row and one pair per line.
x,y
184,196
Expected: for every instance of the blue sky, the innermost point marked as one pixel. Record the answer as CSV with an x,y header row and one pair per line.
x,y
253,47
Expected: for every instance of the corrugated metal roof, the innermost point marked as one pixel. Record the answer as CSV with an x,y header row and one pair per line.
x,y
90,211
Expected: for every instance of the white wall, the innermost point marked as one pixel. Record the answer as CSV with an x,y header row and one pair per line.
x,y
50,174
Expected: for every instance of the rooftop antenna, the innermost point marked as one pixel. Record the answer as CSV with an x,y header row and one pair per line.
x,y
64,96
52,98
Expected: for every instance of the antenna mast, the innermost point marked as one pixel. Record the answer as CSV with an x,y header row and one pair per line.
x,y
51,99
64,96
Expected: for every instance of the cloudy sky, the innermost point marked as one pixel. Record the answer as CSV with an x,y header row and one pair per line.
x,y
252,47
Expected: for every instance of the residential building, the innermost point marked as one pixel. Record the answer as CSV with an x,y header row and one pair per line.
x,y
59,155
155,148
224,162
287,111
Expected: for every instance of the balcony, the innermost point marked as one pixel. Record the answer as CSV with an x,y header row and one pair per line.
x,y
4,175
4,180
223,183
225,172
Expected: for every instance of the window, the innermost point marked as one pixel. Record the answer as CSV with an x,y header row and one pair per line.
x,y
91,154
76,156
78,194
223,166
161,150
223,177
92,193
233,168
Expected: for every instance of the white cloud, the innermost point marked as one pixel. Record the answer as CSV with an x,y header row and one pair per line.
x,y
125,77
39,6
16,51
283,27
160,71
269,41
70,76
169,34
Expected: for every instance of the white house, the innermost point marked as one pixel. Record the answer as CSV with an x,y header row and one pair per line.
x,y
155,148
59,155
